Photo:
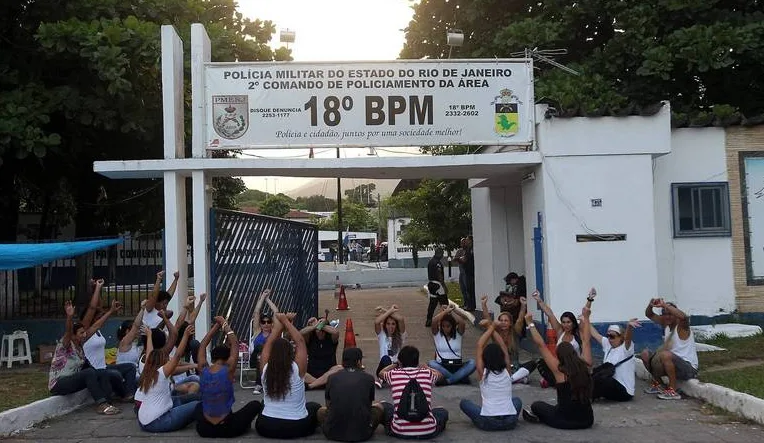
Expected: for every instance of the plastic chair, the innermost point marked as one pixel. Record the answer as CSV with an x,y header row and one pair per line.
x,y
19,339
244,366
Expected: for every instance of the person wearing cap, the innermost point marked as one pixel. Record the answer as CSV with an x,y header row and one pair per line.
x,y
677,358
350,414
619,351
436,285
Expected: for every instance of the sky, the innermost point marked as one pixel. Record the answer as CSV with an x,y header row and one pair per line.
x,y
331,30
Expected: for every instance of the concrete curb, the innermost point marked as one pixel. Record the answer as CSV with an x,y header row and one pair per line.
x,y
24,417
744,405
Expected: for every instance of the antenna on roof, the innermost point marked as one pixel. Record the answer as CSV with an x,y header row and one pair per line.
x,y
545,55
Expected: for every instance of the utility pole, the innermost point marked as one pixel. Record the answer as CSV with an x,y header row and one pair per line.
x,y
340,246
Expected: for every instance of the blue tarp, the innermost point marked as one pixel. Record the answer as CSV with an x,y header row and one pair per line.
x,y
27,255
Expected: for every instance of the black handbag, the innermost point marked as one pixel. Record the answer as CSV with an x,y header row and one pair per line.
x,y
450,365
607,370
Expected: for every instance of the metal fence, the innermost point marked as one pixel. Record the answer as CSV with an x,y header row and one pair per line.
x,y
253,252
128,269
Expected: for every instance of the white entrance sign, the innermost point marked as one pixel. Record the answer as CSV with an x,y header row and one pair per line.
x,y
403,103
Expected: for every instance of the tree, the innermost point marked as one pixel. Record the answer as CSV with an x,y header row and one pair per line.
x,y
362,194
415,234
275,205
355,217
440,209
316,203
704,57
250,198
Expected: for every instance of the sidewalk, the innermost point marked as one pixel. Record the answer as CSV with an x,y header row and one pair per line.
x,y
645,419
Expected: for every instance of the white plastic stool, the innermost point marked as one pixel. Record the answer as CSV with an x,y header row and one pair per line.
x,y
23,352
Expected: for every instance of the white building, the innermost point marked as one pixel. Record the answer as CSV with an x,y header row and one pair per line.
x,y
634,208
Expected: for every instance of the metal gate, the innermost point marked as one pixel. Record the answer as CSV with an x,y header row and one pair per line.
x,y
252,252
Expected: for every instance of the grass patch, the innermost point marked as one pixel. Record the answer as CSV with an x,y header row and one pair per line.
x,y
738,349
454,292
23,386
748,380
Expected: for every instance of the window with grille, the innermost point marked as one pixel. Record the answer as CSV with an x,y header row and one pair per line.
x,y
701,209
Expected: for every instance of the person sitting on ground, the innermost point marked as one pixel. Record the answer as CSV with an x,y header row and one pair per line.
x,y
567,330
214,416
187,317
121,376
129,349
321,340
413,417
619,351
499,409
390,327
67,373
447,331
350,413
507,335
677,358
436,285
285,413
158,300
509,299
158,411
260,330
572,381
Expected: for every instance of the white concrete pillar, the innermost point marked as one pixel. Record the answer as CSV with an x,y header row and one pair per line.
x,y
200,187
174,183
491,248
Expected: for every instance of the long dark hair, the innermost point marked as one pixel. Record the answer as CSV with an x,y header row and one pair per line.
x,y
574,320
123,329
396,339
149,376
278,374
450,319
493,359
576,372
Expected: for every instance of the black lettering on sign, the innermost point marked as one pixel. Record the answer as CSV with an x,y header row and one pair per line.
x,y
420,109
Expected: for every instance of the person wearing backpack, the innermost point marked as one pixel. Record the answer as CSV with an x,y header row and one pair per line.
x,y
411,415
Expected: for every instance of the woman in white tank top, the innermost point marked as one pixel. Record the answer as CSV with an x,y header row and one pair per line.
x,y
129,350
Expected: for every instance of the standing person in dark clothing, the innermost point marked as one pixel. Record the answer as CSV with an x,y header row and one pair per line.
x,y
350,413
468,262
436,285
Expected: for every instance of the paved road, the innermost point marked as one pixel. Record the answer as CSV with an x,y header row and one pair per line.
x,y
644,420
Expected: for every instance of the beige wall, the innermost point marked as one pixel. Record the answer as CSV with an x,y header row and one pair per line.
x,y
739,139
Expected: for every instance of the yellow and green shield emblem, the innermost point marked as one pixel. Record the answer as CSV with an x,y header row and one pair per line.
x,y
506,119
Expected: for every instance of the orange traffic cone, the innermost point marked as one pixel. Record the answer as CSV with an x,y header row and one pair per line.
x,y
342,304
551,339
349,334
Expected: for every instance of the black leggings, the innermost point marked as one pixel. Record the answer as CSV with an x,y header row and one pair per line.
x,y
235,424
434,302
552,416
270,427
610,389
546,373
384,362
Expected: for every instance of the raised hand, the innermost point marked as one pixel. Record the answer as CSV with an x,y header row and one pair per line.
x,y
523,301
116,306
484,299
634,323
219,319
160,275
69,308
145,330
592,293
203,297
266,293
176,274
189,331
291,316
282,317
394,308
536,296
312,321
99,283
485,322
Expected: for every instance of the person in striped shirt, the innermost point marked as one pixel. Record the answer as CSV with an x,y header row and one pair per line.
x,y
397,375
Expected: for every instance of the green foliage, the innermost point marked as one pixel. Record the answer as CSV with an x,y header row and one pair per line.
x,y
439,209
355,217
362,194
749,380
250,198
316,203
275,205
704,57
80,81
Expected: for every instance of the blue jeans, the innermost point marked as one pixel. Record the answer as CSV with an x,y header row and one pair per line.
x,y
454,377
486,423
176,418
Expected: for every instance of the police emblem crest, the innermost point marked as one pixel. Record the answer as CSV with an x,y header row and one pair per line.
x,y
230,115
506,116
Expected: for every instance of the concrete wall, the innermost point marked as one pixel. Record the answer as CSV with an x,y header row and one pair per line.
x,y
624,272
696,272
378,278
532,203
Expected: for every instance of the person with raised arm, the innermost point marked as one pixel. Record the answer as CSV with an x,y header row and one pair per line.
x,y
158,411
158,300
285,413
214,415
447,331
390,327
677,358
619,352
261,328
121,376
187,317
507,333
129,349
321,340
572,381
67,373
567,329
499,410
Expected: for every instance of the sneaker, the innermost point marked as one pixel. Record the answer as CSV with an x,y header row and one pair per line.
x,y
654,388
669,394
529,416
258,390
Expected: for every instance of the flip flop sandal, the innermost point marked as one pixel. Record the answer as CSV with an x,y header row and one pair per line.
x,y
109,410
